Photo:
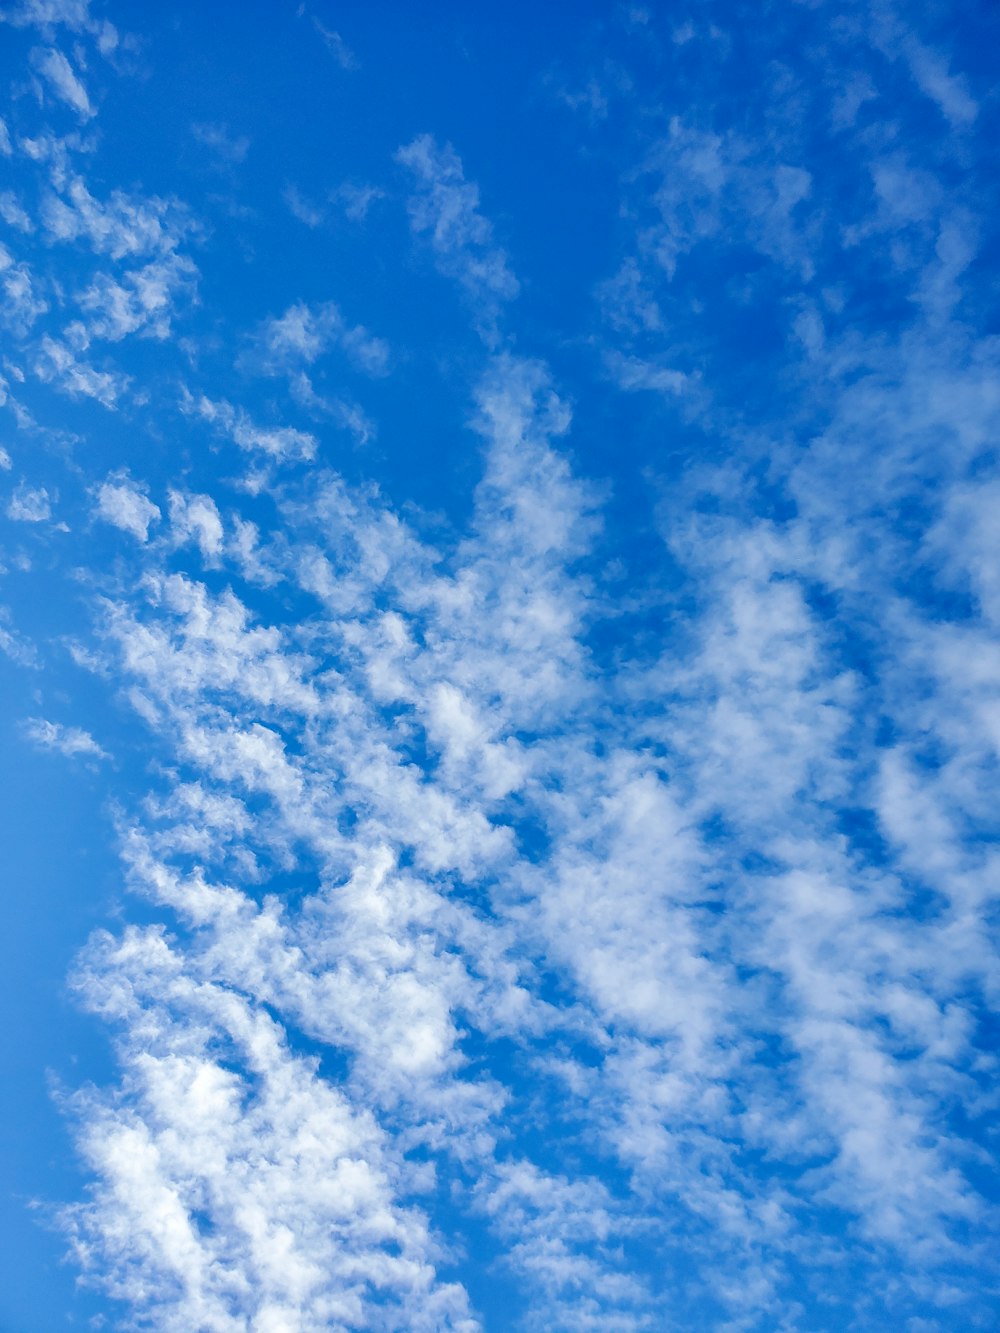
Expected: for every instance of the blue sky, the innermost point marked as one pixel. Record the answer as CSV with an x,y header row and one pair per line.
x,y
499,542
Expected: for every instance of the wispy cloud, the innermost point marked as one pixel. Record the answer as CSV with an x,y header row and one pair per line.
x,y
51,15
23,305
141,300
300,207
57,362
226,146
335,44
123,225
63,81
13,213
303,333
234,422
356,200
73,742
445,208
29,504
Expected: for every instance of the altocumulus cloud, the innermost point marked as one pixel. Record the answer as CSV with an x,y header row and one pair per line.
x,y
549,729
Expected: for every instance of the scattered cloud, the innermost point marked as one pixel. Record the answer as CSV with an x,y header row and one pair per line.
x,y
226,146
124,225
13,213
234,422
356,200
17,646
301,208
585,893
303,334
56,362
124,504
630,373
335,44
195,519
50,15
22,306
29,504
72,742
63,81
445,208
142,300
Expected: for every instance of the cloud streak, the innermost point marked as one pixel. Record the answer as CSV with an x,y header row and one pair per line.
x,y
444,208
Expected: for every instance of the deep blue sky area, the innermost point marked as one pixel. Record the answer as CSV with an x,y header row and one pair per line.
x,y
499,650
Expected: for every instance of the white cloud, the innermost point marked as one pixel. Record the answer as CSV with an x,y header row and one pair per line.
x,y
618,907
22,305
13,213
296,739
298,339
356,200
565,1237
932,76
29,504
57,363
627,300
704,179
124,504
304,333
348,415
61,78
49,15
632,373
278,441
336,45
301,208
143,301
195,518
124,225
73,742
73,14
445,208
227,146
18,647
245,1189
